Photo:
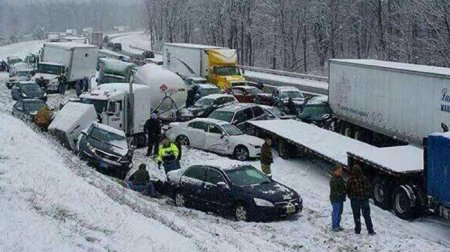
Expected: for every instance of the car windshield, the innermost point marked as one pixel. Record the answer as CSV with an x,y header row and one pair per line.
x,y
106,136
204,102
33,106
291,94
276,112
50,69
231,130
227,70
208,91
100,105
226,116
253,91
30,88
317,109
22,73
246,175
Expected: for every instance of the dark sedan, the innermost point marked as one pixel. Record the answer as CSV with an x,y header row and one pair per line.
x,y
28,90
26,109
242,191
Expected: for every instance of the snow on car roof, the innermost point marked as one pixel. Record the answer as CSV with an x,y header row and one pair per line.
x,y
209,120
216,96
236,106
110,129
287,88
320,99
245,87
207,86
399,158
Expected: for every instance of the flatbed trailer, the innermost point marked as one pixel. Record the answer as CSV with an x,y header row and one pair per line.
x,y
397,173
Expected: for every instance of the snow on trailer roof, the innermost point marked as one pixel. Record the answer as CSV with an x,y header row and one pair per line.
x,y
68,45
327,143
400,159
398,66
187,45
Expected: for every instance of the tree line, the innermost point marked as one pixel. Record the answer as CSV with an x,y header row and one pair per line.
x,y
301,35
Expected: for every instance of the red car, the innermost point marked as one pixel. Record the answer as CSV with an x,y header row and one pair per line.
x,y
244,94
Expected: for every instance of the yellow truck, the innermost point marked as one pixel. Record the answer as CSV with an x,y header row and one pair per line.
x,y
216,64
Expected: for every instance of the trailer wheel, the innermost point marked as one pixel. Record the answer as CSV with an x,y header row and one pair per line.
x,y
348,132
382,193
404,202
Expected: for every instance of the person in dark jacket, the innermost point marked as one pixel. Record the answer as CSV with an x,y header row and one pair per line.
x,y
41,83
358,190
140,182
266,157
180,150
153,129
292,108
337,198
79,87
62,84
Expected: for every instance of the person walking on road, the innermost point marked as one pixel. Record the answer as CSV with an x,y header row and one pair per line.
x,y
140,182
292,108
266,157
167,155
153,129
358,190
337,198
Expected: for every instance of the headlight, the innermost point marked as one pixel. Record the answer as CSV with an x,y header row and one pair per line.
x,y
45,94
24,95
92,149
263,203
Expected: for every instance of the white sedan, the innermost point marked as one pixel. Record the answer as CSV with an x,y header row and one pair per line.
x,y
216,136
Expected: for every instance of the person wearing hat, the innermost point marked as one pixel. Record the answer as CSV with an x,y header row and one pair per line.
x,y
358,190
153,129
266,157
337,198
140,182
168,155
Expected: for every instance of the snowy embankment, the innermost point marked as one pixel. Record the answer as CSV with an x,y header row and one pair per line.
x,y
45,206
134,43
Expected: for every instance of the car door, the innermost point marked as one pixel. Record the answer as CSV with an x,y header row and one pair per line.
x,y
197,134
114,115
217,198
15,92
192,184
18,110
217,140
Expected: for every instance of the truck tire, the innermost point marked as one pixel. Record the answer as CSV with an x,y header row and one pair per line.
x,y
382,193
404,202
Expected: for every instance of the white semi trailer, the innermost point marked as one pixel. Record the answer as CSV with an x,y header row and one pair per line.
x,y
379,101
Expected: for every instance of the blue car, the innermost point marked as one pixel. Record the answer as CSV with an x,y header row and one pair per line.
x,y
241,191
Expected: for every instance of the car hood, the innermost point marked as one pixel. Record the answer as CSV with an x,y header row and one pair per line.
x,y
49,77
120,148
34,93
273,192
265,95
247,139
297,101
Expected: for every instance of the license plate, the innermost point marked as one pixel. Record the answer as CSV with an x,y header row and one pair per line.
x,y
290,209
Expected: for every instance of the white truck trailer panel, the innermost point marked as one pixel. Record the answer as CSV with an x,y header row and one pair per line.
x,y
80,59
188,60
400,100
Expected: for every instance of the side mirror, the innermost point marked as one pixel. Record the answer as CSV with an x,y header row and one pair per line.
x,y
222,185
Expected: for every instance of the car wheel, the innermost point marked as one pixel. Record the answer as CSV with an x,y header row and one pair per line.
x,y
241,153
241,213
184,140
180,200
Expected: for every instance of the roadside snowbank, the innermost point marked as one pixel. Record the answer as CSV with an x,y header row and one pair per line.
x,y
44,206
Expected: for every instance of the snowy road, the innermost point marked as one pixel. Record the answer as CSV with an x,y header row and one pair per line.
x,y
48,194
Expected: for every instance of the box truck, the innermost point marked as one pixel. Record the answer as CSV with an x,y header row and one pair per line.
x,y
96,38
74,60
385,103
217,64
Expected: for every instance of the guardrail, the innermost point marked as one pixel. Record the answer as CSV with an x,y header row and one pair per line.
x,y
285,73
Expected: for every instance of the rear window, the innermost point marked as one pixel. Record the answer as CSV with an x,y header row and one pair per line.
x,y
226,116
196,172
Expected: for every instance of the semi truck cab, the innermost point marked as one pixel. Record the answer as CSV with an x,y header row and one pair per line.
x,y
223,69
50,71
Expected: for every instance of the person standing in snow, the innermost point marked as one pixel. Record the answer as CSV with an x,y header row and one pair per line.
x,y
266,157
86,84
78,87
140,181
292,109
337,198
180,150
153,129
62,84
168,155
358,190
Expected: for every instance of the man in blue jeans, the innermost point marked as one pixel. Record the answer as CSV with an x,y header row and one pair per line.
x,y
337,198
358,190
140,182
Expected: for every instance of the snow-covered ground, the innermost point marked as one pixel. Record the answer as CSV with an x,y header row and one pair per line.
x,y
51,201
135,43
